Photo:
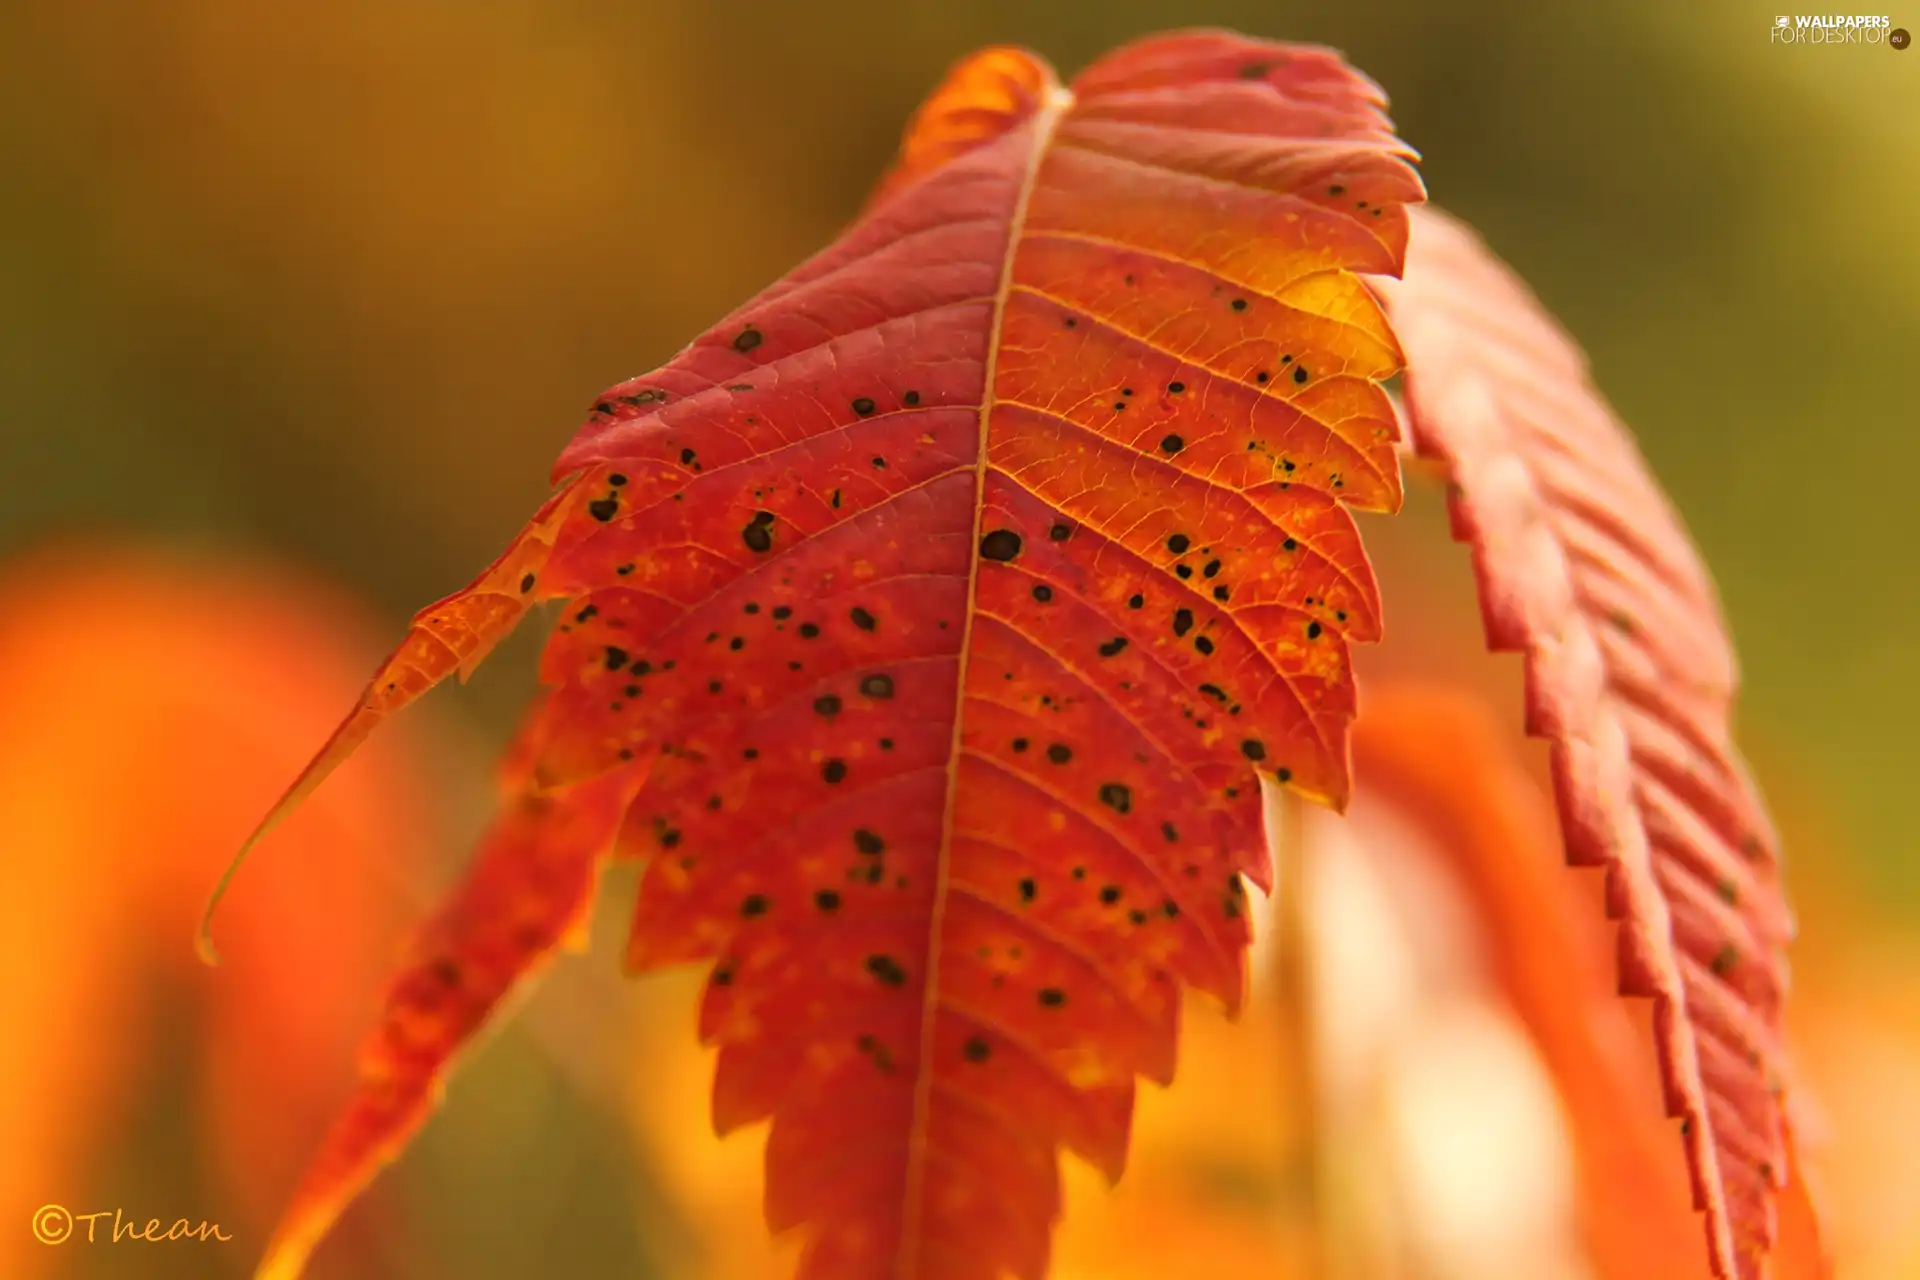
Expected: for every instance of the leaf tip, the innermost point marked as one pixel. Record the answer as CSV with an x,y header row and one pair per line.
x,y
203,938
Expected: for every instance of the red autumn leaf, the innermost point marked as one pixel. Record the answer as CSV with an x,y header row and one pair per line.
x,y
1584,567
527,894
959,582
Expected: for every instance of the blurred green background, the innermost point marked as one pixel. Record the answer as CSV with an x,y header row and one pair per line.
x,y
337,282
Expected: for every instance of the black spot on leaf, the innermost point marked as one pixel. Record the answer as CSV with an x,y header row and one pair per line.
x,y
1001,545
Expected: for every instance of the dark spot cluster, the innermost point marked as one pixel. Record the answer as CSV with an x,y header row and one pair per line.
x,y
1231,902
882,1056
758,532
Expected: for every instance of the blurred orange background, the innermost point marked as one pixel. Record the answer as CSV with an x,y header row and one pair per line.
x,y
298,306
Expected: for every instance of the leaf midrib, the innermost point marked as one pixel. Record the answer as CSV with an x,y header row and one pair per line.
x,y
1046,120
